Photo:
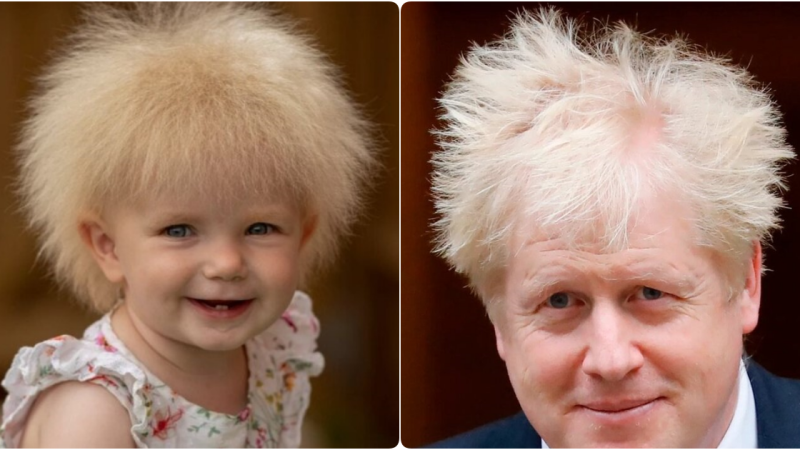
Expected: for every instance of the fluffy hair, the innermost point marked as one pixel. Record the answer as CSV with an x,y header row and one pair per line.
x,y
540,127
216,99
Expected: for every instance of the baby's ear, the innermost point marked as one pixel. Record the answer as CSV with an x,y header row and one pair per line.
x,y
94,233
309,227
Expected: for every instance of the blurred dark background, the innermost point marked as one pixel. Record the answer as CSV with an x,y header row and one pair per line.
x,y
453,379
355,400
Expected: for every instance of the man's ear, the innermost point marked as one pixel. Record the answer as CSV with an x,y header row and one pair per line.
x,y
751,295
501,349
95,235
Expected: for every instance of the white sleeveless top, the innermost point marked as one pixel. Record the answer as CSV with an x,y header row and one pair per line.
x,y
280,361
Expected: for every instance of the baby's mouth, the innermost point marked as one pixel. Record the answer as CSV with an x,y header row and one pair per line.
x,y
221,305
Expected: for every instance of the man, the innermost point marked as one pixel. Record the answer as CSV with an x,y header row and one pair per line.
x,y
607,194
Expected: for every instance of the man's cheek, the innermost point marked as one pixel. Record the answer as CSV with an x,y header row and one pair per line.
x,y
530,372
522,377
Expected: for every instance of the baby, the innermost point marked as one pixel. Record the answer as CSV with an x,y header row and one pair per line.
x,y
187,167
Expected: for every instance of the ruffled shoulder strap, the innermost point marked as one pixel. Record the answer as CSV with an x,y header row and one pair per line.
x,y
282,359
64,358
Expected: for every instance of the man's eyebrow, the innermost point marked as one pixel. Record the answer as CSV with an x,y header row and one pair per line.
x,y
664,272
681,284
538,281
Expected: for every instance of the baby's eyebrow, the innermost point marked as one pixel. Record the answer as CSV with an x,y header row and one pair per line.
x,y
173,217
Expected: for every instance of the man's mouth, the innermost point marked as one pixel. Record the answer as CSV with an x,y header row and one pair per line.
x,y
613,414
617,406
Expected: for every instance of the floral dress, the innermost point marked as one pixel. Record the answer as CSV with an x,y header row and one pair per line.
x,y
280,361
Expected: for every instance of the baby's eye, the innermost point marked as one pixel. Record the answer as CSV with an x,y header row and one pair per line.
x,y
177,231
559,300
261,228
649,293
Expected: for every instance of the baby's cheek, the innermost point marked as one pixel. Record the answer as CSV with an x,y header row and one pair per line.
x,y
166,266
280,267
157,272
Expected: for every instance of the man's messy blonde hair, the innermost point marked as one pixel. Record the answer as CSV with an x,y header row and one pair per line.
x,y
216,99
538,128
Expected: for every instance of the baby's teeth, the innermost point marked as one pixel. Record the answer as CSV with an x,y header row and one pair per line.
x,y
221,307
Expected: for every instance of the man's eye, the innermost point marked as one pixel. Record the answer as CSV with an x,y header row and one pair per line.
x,y
649,293
559,300
261,228
177,231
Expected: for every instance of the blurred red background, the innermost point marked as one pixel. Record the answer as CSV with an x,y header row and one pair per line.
x,y
452,378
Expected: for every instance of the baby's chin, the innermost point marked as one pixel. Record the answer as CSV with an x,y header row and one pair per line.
x,y
215,341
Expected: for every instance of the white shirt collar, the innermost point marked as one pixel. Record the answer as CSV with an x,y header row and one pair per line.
x,y
742,431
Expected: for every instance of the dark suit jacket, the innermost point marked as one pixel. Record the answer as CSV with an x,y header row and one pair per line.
x,y
777,419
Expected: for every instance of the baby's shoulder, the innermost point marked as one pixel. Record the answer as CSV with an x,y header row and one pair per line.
x,y
67,369
101,421
66,358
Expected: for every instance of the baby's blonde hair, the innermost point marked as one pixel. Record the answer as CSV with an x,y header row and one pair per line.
x,y
216,99
538,126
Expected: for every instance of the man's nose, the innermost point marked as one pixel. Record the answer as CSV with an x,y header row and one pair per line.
x,y
225,261
613,351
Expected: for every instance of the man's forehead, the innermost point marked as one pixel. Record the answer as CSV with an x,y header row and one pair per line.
x,y
590,244
618,263
659,219
551,261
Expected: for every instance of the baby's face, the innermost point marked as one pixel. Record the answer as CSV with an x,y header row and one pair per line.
x,y
207,277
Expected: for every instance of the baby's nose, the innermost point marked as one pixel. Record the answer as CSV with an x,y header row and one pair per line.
x,y
225,262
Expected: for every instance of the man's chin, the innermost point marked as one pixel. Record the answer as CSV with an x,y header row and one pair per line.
x,y
638,441
646,426
645,435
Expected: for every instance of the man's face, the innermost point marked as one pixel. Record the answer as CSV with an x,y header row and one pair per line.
x,y
638,348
